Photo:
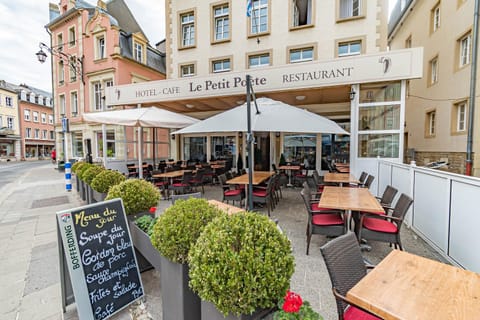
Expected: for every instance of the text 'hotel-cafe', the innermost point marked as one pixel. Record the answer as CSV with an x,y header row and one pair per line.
x,y
363,94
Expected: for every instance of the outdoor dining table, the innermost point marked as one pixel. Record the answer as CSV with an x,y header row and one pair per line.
x,y
340,178
257,178
349,199
289,169
228,208
407,286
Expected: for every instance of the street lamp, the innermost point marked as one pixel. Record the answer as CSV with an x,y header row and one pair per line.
x,y
76,64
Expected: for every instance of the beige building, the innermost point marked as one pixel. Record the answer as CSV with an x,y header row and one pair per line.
x,y
437,105
9,123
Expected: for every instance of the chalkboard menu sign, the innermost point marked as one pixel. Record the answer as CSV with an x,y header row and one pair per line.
x,y
100,258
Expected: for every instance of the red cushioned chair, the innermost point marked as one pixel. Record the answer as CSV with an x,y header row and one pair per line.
x,y
184,185
324,221
265,195
230,194
346,267
385,228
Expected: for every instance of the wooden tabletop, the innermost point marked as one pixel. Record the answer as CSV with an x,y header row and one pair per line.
x,y
289,167
226,207
258,177
340,178
343,169
171,174
345,198
407,286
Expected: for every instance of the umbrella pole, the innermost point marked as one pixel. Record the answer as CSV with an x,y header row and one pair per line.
x,y
249,146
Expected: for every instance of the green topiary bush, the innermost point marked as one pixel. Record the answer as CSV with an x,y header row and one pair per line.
x,y
241,263
77,165
82,169
179,227
89,174
138,195
105,179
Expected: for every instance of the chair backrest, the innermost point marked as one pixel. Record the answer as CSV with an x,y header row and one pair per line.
x,y
388,195
187,176
228,175
175,197
363,177
369,181
401,208
223,181
199,174
274,168
345,265
306,196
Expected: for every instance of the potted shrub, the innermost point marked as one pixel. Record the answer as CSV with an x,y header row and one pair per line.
x,y
138,196
103,181
140,230
88,176
176,230
240,265
79,172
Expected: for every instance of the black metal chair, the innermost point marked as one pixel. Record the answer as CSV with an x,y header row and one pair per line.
x,y
346,267
197,180
264,195
228,193
184,185
369,181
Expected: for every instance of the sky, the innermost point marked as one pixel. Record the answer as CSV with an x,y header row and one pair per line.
x,y
22,28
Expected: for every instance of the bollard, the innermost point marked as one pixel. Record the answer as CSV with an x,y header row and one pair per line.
x,y
68,176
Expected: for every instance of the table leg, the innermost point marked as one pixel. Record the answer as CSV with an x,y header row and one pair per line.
x,y
289,173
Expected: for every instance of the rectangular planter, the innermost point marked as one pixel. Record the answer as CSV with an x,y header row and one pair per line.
x,y
83,193
77,183
142,244
178,300
98,196
89,192
210,312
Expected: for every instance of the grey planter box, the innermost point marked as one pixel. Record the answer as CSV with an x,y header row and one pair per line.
x,y
83,193
143,245
178,300
89,192
77,183
210,312
98,196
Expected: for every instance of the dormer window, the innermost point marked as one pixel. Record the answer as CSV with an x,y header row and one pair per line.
x,y
138,52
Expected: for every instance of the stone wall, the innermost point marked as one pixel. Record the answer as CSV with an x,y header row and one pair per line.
x,y
456,160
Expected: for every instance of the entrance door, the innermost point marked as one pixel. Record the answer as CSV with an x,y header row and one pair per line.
x,y
262,151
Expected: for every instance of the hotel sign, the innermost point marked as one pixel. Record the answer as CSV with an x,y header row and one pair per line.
x,y
384,66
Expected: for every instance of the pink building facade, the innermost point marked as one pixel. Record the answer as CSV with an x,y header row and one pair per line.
x,y
97,47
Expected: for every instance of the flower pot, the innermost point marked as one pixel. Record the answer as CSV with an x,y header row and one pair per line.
x,y
178,300
77,183
98,196
83,193
89,192
143,245
210,312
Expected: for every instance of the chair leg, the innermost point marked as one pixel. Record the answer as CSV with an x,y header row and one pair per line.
x,y
309,236
399,243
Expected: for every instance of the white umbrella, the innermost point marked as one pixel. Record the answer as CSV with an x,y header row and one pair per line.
x,y
151,117
274,116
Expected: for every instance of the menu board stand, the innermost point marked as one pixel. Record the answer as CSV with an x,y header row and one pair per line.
x,y
98,266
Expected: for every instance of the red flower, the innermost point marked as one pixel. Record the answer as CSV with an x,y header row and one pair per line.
x,y
292,302
153,209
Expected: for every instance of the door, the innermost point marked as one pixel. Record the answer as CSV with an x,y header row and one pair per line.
x,y
262,151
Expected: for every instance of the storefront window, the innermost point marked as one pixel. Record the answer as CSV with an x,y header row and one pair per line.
x,y
379,118
195,149
223,148
77,143
373,92
378,145
300,149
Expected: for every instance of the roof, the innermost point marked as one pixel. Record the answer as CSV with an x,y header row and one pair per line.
x,y
23,87
125,18
155,58
399,12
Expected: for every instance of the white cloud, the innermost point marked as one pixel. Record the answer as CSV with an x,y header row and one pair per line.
x,y
22,27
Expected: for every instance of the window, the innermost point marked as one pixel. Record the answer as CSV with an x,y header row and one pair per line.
x,y
9,101
195,148
300,149
71,37
222,22
62,105
44,134
350,8
52,135
301,13
10,123
138,52
35,116
188,29
187,70
101,54
460,116
259,17
26,115
435,18
37,134
61,72
97,96
50,119
301,55
349,48
60,42
28,132
74,103
430,124
434,70
221,65
44,118
465,50
259,60
110,143
73,73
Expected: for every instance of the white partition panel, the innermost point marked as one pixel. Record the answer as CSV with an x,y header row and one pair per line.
x,y
384,177
464,225
402,180
431,209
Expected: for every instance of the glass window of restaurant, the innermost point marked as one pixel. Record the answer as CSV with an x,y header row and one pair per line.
x,y
223,148
110,144
300,149
379,120
77,144
195,149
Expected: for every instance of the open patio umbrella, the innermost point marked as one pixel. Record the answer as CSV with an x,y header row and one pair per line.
x,y
274,116
151,117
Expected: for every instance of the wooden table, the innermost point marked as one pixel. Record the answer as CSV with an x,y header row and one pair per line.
x,y
407,286
348,199
228,208
171,174
289,172
257,178
340,178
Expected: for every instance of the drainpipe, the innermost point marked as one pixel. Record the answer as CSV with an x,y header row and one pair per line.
x,y
473,84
